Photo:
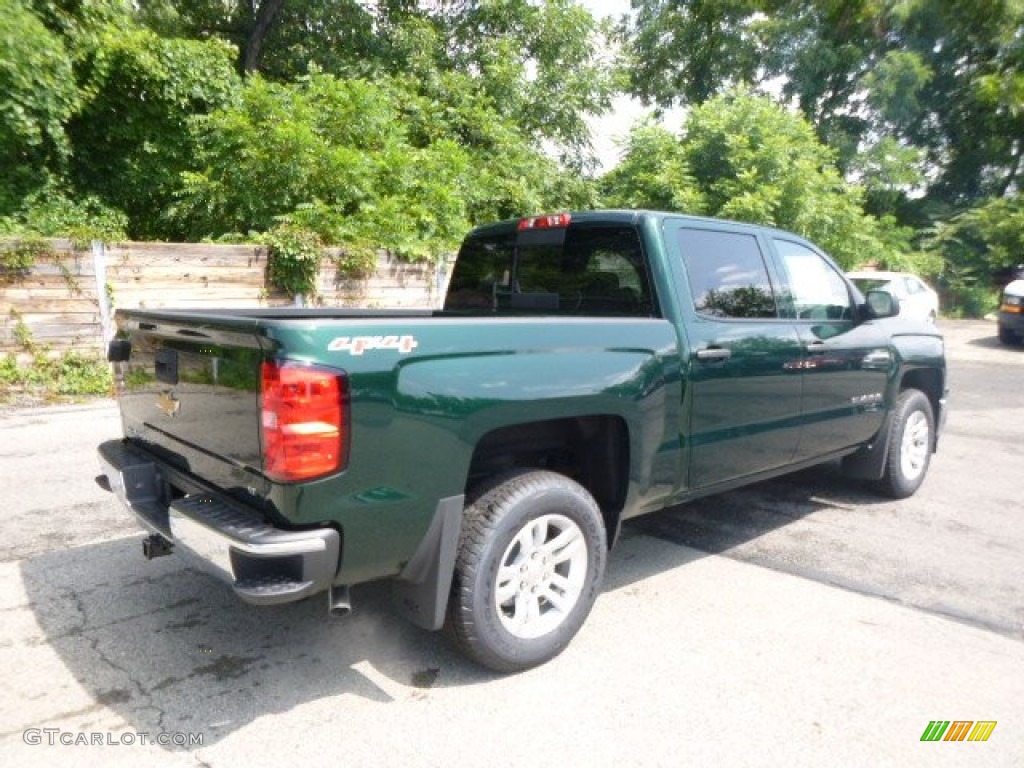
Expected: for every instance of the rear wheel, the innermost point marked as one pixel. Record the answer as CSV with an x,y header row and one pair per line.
x,y
912,435
1007,336
530,563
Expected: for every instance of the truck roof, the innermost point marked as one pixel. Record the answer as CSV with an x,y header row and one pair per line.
x,y
624,216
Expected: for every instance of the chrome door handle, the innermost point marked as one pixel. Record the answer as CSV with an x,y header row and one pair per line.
x,y
713,354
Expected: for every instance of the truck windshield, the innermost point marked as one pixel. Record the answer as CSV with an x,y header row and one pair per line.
x,y
588,269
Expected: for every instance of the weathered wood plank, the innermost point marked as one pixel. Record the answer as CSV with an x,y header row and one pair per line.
x,y
60,306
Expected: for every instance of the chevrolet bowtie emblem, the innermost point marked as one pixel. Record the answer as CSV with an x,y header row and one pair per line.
x,y
168,403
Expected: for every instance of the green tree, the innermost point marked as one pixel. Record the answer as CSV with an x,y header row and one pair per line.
x,y
654,173
37,97
537,60
362,164
985,239
686,52
743,157
131,138
942,77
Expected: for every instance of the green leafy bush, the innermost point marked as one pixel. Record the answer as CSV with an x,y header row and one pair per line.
x,y
742,156
71,374
295,255
52,211
19,256
365,165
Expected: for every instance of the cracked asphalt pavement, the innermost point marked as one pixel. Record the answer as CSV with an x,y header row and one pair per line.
x,y
802,621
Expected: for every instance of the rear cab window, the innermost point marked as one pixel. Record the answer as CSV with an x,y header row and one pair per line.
x,y
586,268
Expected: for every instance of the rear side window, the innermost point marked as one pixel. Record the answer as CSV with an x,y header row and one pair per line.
x,y
727,274
588,269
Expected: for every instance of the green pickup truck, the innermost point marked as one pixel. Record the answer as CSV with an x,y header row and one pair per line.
x,y
586,368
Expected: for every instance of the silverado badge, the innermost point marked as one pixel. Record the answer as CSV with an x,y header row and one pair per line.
x,y
168,403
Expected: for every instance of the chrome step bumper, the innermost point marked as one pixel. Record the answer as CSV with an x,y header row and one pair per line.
x,y
264,564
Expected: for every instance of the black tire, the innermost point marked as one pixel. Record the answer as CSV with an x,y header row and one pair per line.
x,y
911,439
498,538
1006,336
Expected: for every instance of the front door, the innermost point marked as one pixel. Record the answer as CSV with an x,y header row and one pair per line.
x,y
847,363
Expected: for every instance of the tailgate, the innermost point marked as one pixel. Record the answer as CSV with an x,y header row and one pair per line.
x,y
189,392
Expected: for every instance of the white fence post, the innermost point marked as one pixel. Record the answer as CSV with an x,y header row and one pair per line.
x,y
99,261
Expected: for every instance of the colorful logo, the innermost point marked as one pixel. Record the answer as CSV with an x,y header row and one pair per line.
x,y
958,730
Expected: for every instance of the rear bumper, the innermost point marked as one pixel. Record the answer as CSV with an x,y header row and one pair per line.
x,y
264,565
1012,321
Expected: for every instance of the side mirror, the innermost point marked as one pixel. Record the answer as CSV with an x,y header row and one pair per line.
x,y
881,304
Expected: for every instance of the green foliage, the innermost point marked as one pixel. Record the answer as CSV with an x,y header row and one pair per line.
x,y
688,52
972,246
69,375
22,333
743,157
989,236
19,256
364,165
37,97
76,374
654,173
970,300
52,212
941,77
889,173
537,61
295,258
131,137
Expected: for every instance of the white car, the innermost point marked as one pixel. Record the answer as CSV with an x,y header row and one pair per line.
x,y
917,299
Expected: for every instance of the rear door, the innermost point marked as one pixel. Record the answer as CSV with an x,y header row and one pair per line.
x,y
745,358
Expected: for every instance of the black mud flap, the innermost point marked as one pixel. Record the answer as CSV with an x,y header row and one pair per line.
x,y
421,591
869,462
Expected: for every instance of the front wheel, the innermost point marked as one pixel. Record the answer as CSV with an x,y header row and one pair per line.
x,y
530,563
912,435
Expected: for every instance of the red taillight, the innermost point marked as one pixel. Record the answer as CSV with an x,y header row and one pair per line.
x,y
554,221
303,418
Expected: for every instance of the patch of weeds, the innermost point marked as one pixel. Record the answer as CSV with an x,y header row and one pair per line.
x,y
50,377
18,257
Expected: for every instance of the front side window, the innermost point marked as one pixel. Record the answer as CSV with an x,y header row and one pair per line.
x,y
816,290
727,274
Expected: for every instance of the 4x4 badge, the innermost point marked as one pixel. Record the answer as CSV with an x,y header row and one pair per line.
x,y
356,345
168,403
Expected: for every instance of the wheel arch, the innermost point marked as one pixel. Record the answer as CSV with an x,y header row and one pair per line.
x,y
930,382
593,450
869,462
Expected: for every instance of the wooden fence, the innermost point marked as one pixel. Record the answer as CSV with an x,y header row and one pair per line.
x,y
63,302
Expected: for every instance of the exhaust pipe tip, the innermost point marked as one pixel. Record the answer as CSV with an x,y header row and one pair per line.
x,y
339,603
